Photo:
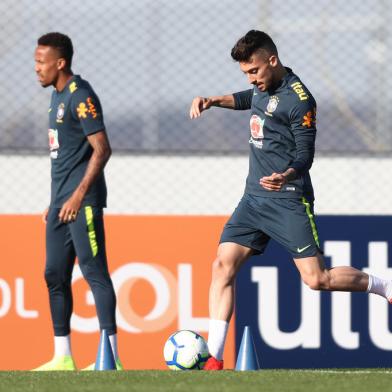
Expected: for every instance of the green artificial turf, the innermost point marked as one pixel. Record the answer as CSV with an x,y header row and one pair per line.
x,y
353,380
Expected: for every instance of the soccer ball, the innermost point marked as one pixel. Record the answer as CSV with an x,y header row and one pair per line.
x,y
185,350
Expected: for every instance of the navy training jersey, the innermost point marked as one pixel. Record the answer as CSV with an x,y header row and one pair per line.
x,y
282,136
74,113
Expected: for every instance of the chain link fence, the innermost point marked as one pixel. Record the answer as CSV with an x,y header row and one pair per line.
x,y
147,59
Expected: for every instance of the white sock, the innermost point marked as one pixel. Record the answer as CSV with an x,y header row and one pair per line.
x,y
217,333
62,346
113,343
380,286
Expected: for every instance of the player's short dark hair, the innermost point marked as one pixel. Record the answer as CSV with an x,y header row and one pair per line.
x,y
61,42
250,43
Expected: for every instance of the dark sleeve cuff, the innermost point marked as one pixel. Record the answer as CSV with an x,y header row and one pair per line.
x,y
298,167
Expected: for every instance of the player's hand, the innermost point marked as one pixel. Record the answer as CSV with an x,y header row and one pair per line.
x,y
199,104
45,215
274,182
70,209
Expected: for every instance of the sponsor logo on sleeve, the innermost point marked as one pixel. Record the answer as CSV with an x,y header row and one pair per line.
x,y
298,88
85,108
82,110
309,120
91,107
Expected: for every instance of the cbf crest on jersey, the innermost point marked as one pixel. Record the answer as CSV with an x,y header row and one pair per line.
x,y
256,131
60,113
272,104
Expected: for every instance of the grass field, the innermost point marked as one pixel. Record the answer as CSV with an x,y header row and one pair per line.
x,y
363,380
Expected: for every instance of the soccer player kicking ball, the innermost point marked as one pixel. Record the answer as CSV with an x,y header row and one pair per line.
x,y
79,150
278,198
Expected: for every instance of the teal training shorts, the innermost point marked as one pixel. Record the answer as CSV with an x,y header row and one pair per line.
x,y
290,222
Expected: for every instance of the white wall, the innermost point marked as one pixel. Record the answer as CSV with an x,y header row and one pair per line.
x,y
199,185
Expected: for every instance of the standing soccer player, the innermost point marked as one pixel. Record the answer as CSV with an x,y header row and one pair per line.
x,y
79,151
278,198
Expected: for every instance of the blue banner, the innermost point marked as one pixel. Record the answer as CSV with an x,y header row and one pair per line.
x,y
296,327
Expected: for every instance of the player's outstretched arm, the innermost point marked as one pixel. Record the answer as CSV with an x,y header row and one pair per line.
x,y
199,104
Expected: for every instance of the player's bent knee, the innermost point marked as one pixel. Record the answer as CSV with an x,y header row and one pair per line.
x,y
316,282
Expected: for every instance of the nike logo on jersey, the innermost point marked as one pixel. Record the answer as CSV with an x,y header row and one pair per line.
x,y
300,250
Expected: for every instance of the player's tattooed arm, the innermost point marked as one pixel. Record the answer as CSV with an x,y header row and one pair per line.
x,y
101,154
199,104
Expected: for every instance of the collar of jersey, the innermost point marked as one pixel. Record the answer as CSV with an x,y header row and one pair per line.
x,y
284,81
66,87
